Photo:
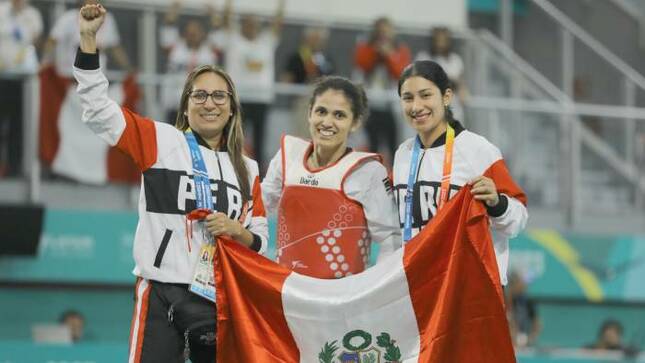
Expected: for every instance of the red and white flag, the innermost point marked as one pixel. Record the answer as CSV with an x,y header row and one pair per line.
x,y
438,299
68,146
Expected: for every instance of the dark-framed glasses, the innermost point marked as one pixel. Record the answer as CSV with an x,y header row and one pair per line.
x,y
219,97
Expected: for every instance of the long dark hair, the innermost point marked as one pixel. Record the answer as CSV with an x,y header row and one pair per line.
x,y
354,93
232,132
434,73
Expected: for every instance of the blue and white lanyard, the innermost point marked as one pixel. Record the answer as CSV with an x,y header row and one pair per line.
x,y
414,161
203,194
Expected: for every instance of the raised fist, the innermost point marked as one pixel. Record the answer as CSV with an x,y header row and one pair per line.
x,y
91,18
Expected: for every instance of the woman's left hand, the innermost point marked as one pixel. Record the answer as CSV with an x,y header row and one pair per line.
x,y
219,224
484,189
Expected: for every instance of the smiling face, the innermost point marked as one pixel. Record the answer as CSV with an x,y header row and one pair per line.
x,y
331,120
209,119
423,104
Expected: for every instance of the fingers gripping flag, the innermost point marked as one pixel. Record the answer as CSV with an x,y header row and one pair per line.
x,y
437,300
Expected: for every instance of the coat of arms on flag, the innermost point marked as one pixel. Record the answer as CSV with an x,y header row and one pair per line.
x,y
359,348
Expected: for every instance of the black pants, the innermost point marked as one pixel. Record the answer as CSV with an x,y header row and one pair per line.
x,y
162,314
381,130
11,123
254,115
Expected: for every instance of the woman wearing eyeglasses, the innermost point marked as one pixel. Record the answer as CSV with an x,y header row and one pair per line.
x,y
196,186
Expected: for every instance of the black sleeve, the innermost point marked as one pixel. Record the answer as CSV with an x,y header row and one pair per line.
x,y
257,243
500,208
296,68
532,310
292,63
86,61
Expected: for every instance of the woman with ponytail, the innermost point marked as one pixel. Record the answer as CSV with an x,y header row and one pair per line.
x,y
443,157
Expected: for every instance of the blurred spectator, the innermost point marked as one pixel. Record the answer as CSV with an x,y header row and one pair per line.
x,y
582,94
640,151
610,337
186,51
61,134
60,47
249,52
380,61
75,322
524,321
306,65
20,28
311,61
441,51
610,130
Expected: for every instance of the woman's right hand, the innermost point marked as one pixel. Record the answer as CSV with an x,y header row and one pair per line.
x,y
90,19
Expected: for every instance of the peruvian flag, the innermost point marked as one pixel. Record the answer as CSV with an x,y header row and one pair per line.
x,y
438,299
67,146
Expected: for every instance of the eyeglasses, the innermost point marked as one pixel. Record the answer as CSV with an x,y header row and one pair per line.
x,y
219,97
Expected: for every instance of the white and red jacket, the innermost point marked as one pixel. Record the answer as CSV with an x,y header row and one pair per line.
x,y
473,156
328,217
165,248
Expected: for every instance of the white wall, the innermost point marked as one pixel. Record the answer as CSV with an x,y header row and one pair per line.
x,y
407,13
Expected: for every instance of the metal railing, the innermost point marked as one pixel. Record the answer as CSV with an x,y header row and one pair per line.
x,y
527,95
546,111
625,164
636,10
570,28
632,79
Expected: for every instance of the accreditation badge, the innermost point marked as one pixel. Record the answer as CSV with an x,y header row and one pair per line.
x,y
203,283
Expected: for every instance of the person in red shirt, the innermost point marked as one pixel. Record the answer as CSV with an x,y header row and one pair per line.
x,y
379,60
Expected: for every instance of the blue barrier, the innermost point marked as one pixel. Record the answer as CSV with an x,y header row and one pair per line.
x,y
27,352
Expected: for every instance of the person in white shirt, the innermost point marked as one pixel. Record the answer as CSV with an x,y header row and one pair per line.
x,y
379,59
196,186
249,53
331,201
185,51
20,28
64,39
444,157
442,51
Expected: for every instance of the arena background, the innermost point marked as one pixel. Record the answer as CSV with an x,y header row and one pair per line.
x,y
558,85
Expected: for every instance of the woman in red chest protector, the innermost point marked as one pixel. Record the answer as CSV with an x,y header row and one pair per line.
x,y
332,202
